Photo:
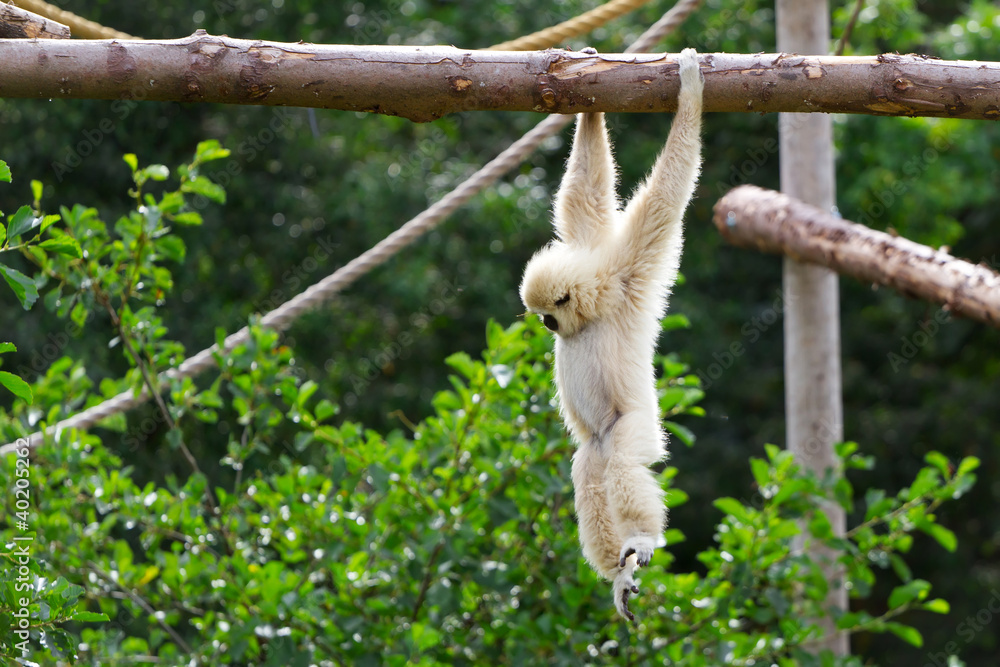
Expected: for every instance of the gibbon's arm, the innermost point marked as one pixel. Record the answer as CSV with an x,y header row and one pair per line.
x,y
586,203
653,217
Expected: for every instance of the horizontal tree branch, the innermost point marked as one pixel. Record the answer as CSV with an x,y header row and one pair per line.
x,y
425,83
765,220
17,23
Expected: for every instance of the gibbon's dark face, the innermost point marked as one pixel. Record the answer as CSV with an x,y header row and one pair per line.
x,y
550,322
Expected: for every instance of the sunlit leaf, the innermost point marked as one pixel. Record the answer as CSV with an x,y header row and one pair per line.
x,y
16,386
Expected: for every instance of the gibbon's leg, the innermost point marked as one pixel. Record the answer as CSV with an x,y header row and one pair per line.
x,y
598,536
636,499
586,203
654,232
635,494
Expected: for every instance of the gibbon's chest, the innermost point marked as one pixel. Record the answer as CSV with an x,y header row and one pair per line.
x,y
585,375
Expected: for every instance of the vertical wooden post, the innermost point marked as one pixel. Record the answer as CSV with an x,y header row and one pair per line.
x,y
813,406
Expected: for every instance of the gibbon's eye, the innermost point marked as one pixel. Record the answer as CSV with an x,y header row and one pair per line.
x,y
550,323
563,301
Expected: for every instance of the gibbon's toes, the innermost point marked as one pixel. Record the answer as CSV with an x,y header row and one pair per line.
x,y
624,586
588,49
690,70
642,546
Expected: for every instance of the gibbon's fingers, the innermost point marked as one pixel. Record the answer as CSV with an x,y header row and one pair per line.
x,y
586,203
654,214
642,559
624,586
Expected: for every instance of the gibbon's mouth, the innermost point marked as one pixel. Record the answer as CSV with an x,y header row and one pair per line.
x,y
551,323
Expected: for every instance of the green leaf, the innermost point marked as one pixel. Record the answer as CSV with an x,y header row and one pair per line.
x,y
732,507
171,247
936,606
944,537
22,221
939,461
7,347
675,498
36,190
23,286
157,172
900,567
685,434
927,479
210,150
64,245
187,218
131,161
4,172
906,633
913,590
845,449
206,188
16,385
462,363
325,409
676,321
968,464
761,472
48,220
88,617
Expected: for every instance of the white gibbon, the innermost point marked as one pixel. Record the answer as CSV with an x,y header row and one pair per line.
x,y
601,287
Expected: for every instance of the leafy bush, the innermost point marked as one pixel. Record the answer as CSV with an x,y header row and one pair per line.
x,y
295,540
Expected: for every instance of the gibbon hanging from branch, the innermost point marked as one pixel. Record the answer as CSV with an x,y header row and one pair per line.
x,y
601,287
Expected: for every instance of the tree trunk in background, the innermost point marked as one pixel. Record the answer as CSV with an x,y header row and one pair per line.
x,y
813,406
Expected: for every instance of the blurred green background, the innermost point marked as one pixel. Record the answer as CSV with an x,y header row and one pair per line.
x,y
309,191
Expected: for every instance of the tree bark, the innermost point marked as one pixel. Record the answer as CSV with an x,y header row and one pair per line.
x,y
425,83
751,217
814,411
17,23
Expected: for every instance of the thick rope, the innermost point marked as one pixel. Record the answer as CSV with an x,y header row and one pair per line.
x,y
78,26
578,25
282,317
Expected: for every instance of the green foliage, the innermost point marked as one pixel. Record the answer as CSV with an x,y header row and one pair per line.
x,y
307,191
308,540
437,545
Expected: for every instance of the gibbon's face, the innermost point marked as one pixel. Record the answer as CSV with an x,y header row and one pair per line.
x,y
560,286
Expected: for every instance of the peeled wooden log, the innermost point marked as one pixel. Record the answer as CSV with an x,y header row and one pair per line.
x,y
769,221
16,23
424,83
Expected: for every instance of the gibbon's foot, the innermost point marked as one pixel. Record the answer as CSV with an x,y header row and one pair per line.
x,y
640,545
624,586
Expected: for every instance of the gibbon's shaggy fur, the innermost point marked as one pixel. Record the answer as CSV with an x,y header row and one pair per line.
x,y
602,288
